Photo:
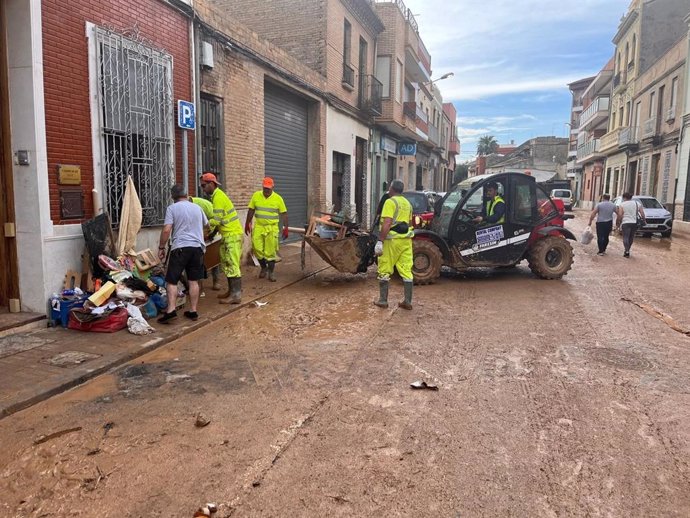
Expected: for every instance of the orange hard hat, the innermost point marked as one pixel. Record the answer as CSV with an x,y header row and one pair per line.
x,y
268,182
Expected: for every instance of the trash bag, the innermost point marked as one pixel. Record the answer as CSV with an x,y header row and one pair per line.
x,y
587,236
136,324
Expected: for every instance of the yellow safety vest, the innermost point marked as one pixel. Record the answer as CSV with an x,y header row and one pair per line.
x,y
402,213
225,217
491,204
267,211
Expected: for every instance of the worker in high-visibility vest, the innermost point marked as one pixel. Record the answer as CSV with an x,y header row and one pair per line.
x,y
394,247
226,221
494,209
267,207
207,207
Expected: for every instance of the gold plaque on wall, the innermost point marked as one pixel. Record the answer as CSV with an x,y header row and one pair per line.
x,y
69,175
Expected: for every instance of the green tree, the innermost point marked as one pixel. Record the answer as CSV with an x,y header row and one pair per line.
x,y
461,172
487,145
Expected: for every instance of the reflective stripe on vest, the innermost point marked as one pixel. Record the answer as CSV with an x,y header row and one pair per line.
x,y
274,214
396,221
492,205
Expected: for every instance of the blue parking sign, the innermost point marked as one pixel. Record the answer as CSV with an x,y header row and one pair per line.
x,y
186,115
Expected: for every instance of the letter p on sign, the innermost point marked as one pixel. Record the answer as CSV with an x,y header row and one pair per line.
x,y
186,115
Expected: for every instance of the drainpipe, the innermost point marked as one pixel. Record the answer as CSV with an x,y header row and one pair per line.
x,y
195,95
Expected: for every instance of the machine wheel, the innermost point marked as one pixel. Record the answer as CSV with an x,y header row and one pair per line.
x,y
426,261
550,257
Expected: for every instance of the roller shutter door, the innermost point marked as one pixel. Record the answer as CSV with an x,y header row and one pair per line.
x,y
285,133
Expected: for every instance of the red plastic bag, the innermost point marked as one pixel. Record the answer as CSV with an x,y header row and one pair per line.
x,y
108,324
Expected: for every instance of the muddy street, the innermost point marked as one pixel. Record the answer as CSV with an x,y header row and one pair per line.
x,y
556,398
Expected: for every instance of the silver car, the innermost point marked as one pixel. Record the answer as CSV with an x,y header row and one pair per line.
x,y
658,219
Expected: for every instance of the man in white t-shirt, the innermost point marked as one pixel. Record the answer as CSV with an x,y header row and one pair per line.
x,y
184,225
627,214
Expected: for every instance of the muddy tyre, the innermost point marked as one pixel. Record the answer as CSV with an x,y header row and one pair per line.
x,y
426,261
550,257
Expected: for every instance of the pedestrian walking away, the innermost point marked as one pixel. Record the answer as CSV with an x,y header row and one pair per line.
x,y
394,247
603,213
267,207
226,221
184,227
627,216
207,207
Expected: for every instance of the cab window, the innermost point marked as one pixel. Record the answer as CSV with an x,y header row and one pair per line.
x,y
523,200
545,205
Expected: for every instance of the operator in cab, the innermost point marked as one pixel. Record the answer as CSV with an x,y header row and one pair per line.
x,y
494,208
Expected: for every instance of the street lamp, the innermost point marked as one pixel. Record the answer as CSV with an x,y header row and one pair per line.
x,y
444,76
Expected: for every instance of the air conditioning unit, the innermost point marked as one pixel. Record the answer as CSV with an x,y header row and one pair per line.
x,y
206,54
671,114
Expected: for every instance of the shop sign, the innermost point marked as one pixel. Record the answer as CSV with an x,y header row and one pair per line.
x,y
407,148
388,144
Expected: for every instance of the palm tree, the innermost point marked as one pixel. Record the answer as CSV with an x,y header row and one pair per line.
x,y
487,145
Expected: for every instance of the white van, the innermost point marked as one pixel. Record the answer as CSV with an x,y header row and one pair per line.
x,y
565,195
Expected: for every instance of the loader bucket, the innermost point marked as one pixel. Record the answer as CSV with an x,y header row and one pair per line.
x,y
352,254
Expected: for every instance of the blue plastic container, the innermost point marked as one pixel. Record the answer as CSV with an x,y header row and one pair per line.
x,y
61,314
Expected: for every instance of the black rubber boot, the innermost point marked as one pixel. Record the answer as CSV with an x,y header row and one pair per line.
x,y
236,290
407,303
271,271
227,293
383,295
264,269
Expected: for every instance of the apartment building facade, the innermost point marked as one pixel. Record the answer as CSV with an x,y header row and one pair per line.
x,y
657,108
337,39
262,112
573,169
592,125
403,64
647,32
453,144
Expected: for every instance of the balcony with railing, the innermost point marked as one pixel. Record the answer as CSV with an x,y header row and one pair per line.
x,y
616,80
649,129
609,142
370,95
588,151
454,146
595,114
424,57
348,77
628,137
416,114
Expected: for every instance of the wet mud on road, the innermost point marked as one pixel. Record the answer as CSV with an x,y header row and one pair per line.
x,y
556,398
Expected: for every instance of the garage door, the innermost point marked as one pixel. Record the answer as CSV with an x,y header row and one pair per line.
x,y
285,133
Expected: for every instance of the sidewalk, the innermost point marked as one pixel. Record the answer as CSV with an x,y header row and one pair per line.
x,y
39,363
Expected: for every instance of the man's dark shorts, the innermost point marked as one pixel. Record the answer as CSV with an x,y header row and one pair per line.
x,y
188,259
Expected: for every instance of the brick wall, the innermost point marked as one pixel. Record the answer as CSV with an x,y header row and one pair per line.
x,y
66,77
337,14
392,43
297,26
237,78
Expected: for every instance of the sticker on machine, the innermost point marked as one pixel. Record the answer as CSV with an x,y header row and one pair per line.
x,y
489,236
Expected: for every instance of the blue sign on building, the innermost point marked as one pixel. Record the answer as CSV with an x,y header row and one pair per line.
x,y
407,148
186,115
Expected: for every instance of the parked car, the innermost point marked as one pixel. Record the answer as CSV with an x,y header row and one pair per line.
x,y
658,219
422,207
566,195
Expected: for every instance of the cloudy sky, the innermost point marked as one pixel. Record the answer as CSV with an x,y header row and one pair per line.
x,y
512,60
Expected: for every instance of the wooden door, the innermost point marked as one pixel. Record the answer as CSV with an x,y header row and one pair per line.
x,y
9,282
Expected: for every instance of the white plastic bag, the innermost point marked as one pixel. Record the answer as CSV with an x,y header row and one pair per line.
x,y
587,236
136,324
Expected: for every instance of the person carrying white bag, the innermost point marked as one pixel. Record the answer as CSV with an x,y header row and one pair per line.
x,y
604,213
587,236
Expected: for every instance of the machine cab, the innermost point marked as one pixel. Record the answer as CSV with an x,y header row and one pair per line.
x,y
484,243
